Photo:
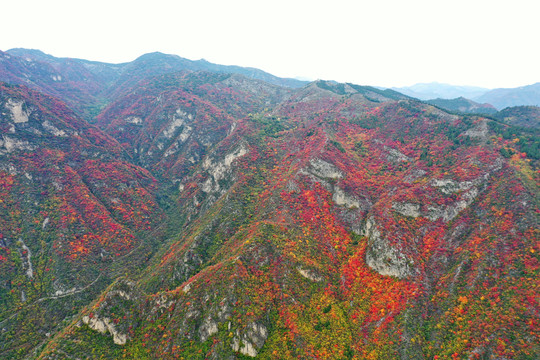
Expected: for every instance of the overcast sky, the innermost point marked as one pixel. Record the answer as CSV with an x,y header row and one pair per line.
x,y
488,43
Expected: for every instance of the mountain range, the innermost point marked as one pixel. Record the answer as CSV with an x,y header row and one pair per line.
x,y
502,98
463,105
498,98
171,209
434,90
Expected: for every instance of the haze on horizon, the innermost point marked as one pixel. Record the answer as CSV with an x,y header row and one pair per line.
x,y
485,43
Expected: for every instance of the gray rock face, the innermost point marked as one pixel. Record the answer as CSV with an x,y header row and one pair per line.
x,y
322,169
47,125
208,328
389,258
466,192
407,209
123,292
414,175
10,144
448,186
18,114
26,258
395,155
350,208
103,326
218,169
251,340
451,211
479,131
178,130
384,257
308,274
186,266
341,198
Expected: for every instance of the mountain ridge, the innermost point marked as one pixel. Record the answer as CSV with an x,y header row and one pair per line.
x,y
500,98
208,215
433,90
463,105
506,97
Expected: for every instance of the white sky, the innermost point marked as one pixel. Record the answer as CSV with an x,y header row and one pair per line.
x,y
489,43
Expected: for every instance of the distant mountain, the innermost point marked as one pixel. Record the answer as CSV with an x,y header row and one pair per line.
x,y
78,83
156,63
426,91
502,98
499,98
463,105
524,116
103,72
372,93
87,86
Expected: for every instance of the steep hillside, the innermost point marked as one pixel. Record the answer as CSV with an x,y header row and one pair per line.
x,y
87,86
335,225
463,105
78,83
169,123
207,215
154,64
73,211
524,116
502,98
426,91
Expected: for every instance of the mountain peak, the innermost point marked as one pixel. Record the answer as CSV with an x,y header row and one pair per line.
x,y
216,216
426,91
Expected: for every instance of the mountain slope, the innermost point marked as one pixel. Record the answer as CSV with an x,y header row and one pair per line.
x,y
502,98
168,123
463,105
72,209
525,116
86,85
335,226
426,91
213,216
157,63
78,83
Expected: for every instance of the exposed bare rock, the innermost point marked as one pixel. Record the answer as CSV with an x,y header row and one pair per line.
x,y
103,326
47,125
251,340
45,223
308,274
218,169
100,319
18,114
451,211
395,155
414,175
341,198
179,119
207,329
26,257
135,120
448,186
322,169
479,131
11,144
383,256
186,288
407,209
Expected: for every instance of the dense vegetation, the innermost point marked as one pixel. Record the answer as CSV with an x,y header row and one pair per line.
x,y
463,105
211,216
